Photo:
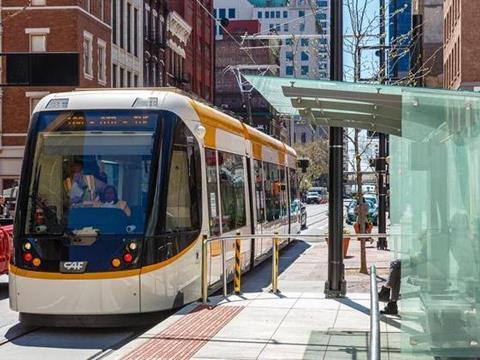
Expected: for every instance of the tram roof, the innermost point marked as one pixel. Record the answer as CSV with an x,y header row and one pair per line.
x,y
372,107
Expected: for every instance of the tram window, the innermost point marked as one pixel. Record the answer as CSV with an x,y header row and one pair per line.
x,y
232,191
88,175
259,194
272,191
213,210
183,199
283,192
293,185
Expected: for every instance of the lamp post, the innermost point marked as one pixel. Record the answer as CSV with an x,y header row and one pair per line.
x,y
335,286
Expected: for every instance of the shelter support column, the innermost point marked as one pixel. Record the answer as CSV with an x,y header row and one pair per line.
x,y
335,286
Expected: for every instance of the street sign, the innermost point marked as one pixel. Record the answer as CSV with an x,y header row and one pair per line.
x,y
42,69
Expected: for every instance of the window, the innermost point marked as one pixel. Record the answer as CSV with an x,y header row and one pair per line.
x,y
322,16
114,21
154,26
323,24
212,191
259,15
101,9
301,13
278,28
135,80
135,35
129,27
222,14
267,15
259,193
102,61
184,185
34,98
304,42
301,27
304,56
289,55
322,3
285,27
277,14
38,2
215,13
289,70
288,41
304,138
231,13
114,75
87,54
272,14
129,79
122,77
322,41
304,70
272,191
232,191
38,42
271,26
285,14
122,25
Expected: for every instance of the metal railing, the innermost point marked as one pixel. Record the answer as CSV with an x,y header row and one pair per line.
x,y
374,347
275,256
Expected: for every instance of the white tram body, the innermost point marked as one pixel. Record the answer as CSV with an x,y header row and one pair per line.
x,y
239,167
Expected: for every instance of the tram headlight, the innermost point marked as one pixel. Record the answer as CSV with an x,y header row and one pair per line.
x,y
27,246
200,131
36,262
27,257
132,246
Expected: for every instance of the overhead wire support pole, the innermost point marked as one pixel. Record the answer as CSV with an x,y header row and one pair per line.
x,y
335,285
382,143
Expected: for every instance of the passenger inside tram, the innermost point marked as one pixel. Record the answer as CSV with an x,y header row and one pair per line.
x,y
109,199
84,188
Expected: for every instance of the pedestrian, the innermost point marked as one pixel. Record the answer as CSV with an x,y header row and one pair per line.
x,y
362,216
390,292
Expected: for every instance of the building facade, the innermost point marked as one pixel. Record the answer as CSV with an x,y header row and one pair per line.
x,y
400,39
302,29
430,62
461,51
190,54
252,108
127,43
154,42
48,26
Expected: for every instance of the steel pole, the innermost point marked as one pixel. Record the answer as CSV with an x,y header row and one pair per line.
x,y
335,285
382,153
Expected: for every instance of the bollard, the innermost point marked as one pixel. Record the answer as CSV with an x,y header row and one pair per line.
x,y
204,270
275,258
238,268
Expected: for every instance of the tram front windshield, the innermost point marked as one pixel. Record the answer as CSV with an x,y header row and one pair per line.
x,y
91,172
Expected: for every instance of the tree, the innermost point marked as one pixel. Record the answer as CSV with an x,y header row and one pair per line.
x,y
317,153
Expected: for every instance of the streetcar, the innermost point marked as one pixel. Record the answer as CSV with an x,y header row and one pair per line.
x,y
117,189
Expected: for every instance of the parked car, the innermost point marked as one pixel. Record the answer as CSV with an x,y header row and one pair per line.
x,y
313,197
372,212
6,246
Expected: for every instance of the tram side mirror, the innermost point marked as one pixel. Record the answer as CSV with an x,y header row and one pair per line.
x,y
303,164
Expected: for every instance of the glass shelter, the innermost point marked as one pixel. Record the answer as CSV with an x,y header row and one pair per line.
x,y
434,197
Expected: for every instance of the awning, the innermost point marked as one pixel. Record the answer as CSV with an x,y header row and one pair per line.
x,y
365,106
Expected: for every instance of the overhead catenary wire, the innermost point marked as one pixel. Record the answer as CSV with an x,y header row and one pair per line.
x,y
216,21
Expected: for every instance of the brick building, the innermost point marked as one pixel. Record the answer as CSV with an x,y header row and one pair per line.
x,y
190,54
48,26
461,49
